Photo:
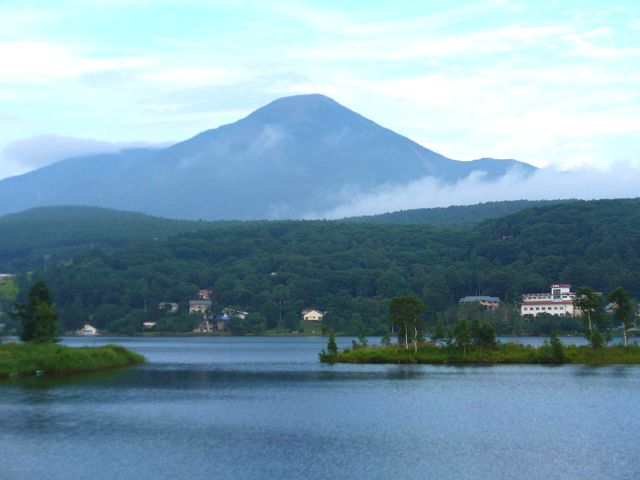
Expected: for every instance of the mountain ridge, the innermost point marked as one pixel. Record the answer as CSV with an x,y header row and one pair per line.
x,y
292,156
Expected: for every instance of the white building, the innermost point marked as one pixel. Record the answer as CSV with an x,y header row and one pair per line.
x,y
312,315
559,301
87,331
199,306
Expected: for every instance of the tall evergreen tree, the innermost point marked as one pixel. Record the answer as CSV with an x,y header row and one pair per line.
x,y
38,317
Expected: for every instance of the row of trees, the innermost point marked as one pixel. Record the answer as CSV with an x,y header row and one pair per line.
x,y
591,305
406,317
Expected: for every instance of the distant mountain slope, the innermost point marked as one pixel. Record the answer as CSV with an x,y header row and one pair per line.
x,y
55,232
291,157
456,215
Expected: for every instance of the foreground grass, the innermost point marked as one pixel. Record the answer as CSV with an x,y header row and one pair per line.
x,y
47,358
508,353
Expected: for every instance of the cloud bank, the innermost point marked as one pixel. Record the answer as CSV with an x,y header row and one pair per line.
x,y
622,180
31,153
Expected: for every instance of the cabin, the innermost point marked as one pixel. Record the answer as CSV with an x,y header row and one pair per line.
x,y
312,315
489,303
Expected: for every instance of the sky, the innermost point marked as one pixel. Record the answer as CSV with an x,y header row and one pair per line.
x,y
551,83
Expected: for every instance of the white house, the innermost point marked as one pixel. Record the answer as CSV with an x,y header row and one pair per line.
x,y
199,306
312,315
559,301
87,331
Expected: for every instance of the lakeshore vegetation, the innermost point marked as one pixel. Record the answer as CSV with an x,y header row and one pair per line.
x,y
475,343
39,354
53,359
504,353
350,270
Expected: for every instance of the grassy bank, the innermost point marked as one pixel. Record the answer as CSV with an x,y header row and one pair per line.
x,y
53,359
508,353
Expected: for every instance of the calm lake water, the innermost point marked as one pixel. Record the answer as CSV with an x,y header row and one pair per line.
x,y
216,408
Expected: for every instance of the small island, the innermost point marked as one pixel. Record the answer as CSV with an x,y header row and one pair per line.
x,y
26,359
39,354
499,354
475,343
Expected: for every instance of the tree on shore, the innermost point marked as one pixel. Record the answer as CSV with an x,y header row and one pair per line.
x,y
462,335
38,316
587,301
405,312
439,332
557,348
332,346
623,310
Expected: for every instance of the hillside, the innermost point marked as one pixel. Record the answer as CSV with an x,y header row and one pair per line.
x,y
274,269
455,215
29,238
294,156
51,234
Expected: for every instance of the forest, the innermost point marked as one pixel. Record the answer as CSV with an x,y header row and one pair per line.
x,y
350,270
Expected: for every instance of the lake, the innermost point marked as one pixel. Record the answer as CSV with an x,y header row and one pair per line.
x,y
264,407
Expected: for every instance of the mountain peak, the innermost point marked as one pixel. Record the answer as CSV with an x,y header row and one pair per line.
x,y
300,108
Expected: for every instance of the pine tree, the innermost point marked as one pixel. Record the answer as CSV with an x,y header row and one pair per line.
x,y
38,315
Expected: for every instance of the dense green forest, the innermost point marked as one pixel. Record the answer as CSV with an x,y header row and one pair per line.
x,y
275,269
32,238
456,215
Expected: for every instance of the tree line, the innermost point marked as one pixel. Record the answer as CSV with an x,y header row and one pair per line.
x,y
350,271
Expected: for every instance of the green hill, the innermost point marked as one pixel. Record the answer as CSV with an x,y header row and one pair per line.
x,y
275,269
34,237
31,238
455,215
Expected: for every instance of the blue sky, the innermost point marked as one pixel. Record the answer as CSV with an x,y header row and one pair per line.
x,y
549,83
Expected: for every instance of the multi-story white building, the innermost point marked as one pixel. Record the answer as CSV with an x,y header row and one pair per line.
x,y
558,302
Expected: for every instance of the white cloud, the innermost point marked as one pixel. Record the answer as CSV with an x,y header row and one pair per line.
x,y
43,62
621,181
29,154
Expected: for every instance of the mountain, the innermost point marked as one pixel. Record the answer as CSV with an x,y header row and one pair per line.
x,y
296,155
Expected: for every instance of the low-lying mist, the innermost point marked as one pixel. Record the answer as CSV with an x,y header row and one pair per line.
x,y
620,181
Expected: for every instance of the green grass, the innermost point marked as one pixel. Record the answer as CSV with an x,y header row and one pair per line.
x,y
507,353
49,358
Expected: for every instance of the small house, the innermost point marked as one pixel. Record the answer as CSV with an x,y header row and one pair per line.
x,y
489,303
87,331
312,315
199,306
